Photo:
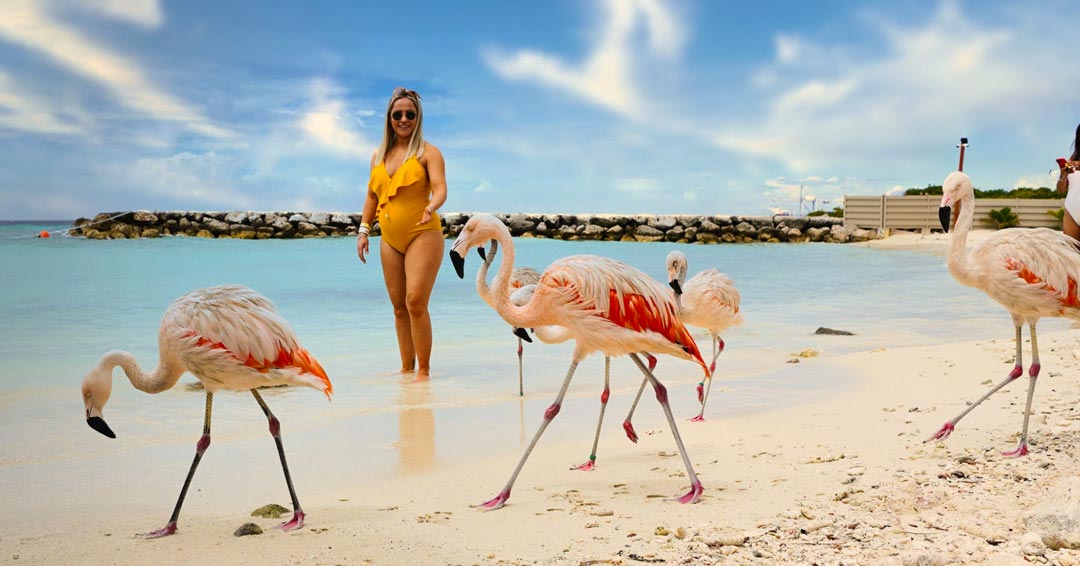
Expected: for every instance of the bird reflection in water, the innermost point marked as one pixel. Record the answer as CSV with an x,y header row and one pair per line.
x,y
416,426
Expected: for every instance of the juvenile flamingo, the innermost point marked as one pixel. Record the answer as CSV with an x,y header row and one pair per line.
x,y
1032,272
606,306
229,337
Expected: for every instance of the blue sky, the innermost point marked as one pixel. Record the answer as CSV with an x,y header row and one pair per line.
x,y
624,106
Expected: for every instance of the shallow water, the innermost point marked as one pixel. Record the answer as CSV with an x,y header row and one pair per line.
x,y
66,301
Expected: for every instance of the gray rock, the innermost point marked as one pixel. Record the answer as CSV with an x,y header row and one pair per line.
x,y
663,223
297,218
248,529
745,228
236,217
1031,544
145,217
1057,517
319,218
823,330
340,219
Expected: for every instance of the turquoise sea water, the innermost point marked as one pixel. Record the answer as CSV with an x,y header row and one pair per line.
x,y
66,301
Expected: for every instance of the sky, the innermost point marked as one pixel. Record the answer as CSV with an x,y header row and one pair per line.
x,y
578,106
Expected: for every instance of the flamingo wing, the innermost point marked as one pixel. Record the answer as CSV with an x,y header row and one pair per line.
x,y
621,294
711,301
1040,262
245,326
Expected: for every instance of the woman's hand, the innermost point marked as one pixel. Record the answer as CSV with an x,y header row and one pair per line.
x,y
362,246
426,217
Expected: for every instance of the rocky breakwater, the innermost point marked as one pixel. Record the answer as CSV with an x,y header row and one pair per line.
x,y
608,227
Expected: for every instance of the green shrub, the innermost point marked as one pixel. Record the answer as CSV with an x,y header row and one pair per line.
x,y
837,212
1004,218
1022,192
1058,215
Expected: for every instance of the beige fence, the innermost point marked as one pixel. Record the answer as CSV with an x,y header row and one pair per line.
x,y
921,212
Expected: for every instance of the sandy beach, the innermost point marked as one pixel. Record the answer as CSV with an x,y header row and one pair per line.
x,y
846,479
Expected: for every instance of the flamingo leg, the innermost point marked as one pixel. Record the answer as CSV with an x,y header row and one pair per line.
x,y
1016,372
1033,375
275,429
521,382
718,346
200,448
591,464
694,494
627,425
499,500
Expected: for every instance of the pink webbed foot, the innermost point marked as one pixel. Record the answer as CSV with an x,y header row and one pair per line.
x,y
630,433
494,503
943,433
698,419
162,532
586,467
296,522
701,392
693,495
1021,450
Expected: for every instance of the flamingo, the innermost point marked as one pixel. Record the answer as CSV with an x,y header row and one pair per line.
x,y
604,304
708,300
229,337
555,335
1032,272
520,277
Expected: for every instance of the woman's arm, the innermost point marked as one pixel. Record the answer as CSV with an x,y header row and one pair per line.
x,y
436,171
367,218
1063,177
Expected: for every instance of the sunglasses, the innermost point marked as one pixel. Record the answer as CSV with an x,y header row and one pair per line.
x,y
409,114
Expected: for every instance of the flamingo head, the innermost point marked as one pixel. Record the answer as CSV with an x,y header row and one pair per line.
x,y
956,188
677,265
96,389
479,230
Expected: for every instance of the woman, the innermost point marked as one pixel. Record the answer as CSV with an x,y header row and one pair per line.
x,y
407,186
1069,177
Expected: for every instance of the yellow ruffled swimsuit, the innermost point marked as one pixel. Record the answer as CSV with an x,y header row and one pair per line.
x,y
402,199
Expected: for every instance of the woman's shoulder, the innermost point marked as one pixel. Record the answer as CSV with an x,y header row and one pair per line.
x,y
430,152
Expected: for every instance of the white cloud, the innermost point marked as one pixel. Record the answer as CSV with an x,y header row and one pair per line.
x,y
329,124
19,111
824,106
34,25
208,179
689,196
606,76
637,185
483,187
144,13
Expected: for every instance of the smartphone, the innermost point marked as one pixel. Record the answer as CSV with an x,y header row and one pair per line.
x,y
1062,162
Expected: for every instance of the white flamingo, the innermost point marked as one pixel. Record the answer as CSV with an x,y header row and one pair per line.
x,y
1032,272
605,304
229,337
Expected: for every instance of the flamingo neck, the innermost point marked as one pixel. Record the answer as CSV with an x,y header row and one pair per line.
x,y
957,256
161,379
511,313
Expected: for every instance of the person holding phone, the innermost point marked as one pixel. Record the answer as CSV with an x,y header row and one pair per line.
x,y
1069,177
407,186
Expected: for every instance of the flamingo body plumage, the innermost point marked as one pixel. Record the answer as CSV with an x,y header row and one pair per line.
x,y
229,337
1031,272
605,305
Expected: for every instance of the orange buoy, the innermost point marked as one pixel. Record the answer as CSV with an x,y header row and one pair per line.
x,y
44,234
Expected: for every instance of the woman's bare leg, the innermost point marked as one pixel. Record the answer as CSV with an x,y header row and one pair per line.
x,y
1069,226
422,261
393,266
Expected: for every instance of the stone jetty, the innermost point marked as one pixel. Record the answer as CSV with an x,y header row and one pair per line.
x,y
608,227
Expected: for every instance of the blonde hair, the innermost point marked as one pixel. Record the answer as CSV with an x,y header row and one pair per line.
x,y
416,141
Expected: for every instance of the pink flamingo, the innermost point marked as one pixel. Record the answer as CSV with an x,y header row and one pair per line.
x,y
550,335
229,337
606,306
708,300
519,278
1032,272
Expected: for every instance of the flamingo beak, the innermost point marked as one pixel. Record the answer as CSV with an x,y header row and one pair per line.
x,y
98,424
480,252
675,286
459,263
521,333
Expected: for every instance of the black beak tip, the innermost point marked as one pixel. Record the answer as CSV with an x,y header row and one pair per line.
x,y
459,263
676,287
945,216
481,253
523,334
98,424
